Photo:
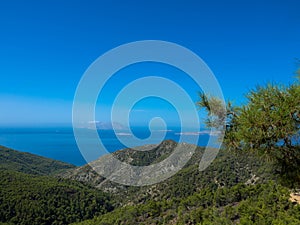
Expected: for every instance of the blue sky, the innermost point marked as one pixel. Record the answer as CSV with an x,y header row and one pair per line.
x,y
46,46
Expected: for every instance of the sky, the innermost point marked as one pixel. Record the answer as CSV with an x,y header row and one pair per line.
x,y
46,47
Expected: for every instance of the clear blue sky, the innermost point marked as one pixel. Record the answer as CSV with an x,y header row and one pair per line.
x,y
45,46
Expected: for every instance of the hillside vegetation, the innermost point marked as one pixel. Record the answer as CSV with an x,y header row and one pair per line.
x,y
268,125
241,204
31,194
31,199
29,163
227,170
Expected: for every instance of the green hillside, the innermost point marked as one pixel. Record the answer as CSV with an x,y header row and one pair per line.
x,y
227,170
234,189
31,199
29,163
30,194
241,204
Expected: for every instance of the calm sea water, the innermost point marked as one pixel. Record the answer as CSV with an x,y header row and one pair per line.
x,y
60,144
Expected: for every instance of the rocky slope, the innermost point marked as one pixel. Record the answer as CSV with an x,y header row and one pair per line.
x,y
226,170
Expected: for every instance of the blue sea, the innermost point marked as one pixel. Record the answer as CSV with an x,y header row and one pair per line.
x,y
60,144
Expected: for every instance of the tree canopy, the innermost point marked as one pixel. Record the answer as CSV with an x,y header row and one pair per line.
x,y
267,124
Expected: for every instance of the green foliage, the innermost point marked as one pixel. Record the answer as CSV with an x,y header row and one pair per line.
x,y
216,110
270,116
31,164
227,170
217,195
268,124
30,199
255,204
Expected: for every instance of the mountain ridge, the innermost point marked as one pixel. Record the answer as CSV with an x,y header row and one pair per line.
x,y
235,189
30,163
226,170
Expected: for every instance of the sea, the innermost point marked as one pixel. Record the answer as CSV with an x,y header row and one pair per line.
x,y
60,143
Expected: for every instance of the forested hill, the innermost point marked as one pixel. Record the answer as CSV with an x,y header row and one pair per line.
x,y
30,194
29,163
266,203
234,189
227,170
40,200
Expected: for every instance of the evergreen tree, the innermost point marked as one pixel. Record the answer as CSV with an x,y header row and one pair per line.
x,y
268,124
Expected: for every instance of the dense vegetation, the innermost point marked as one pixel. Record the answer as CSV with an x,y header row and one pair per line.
x,y
29,194
234,189
245,204
227,170
31,199
31,164
268,125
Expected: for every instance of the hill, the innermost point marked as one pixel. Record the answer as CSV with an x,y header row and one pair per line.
x,y
30,194
31,199
29,163
227,170
234,189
